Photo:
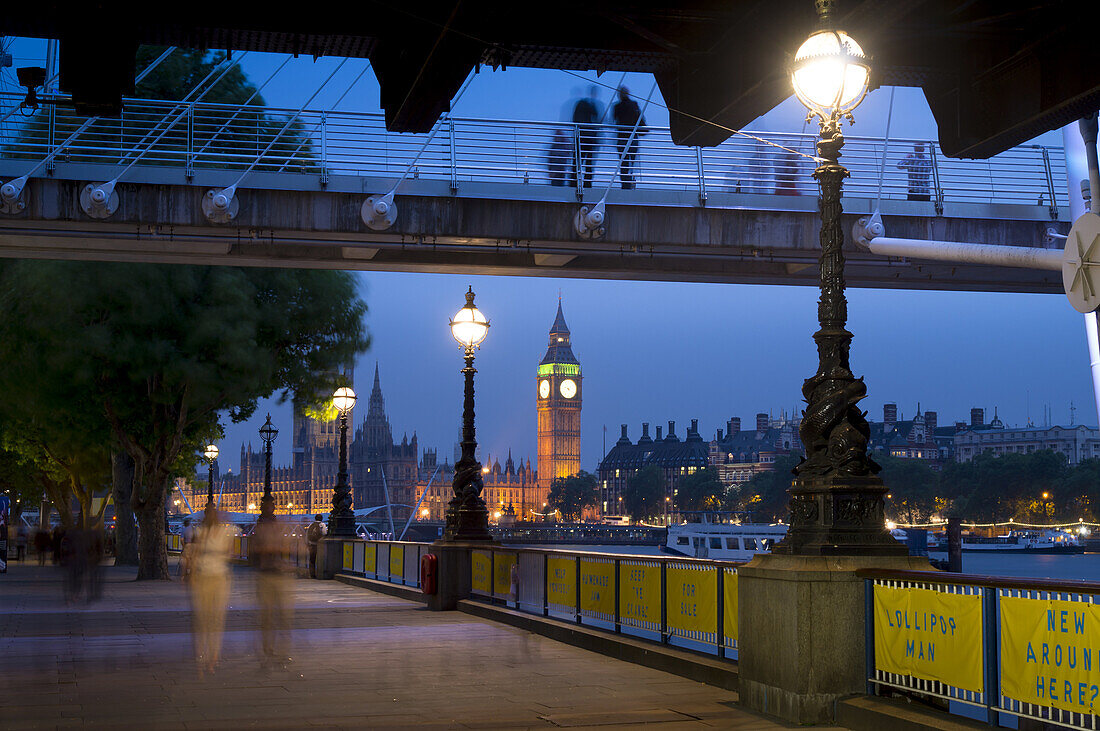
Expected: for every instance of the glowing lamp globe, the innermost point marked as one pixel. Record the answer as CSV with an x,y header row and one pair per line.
x,y
344,399
830,73
268,432
211,452
469,327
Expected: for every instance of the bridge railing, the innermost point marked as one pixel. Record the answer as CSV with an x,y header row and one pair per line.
x,y
514,152
1024,647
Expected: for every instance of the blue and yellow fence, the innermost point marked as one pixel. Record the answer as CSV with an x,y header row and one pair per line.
x,y
686,602
1026,648
396,562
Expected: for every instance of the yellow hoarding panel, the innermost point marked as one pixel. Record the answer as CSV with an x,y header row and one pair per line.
x,y
561,581
729,606
236,546
480,572
598,589
930,635
640,595
692,595
502,573
1050,653
397,561
349,551
370,558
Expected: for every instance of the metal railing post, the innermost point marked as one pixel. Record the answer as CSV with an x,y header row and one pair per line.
x,y
1050,184
664,604
189,165
324,151
51,138
546,586
990,651
577,161
936,179
454,159
869,633
721,584
577,616
618,618
702,176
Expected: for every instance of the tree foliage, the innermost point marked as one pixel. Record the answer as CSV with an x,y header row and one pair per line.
x,y
571,495
158,351
701,490
911,483
644,494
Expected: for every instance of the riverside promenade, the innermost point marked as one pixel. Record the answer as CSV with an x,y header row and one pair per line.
x,y
360,660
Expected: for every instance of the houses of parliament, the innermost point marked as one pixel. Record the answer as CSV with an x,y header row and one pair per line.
x,y
382,470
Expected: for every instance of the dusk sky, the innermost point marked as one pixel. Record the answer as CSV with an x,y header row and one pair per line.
x,y
664,351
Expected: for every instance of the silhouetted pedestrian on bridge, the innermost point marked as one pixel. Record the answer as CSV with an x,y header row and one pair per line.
x,y
586,115
627,114
920,173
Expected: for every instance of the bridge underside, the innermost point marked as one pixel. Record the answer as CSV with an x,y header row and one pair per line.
x,y
758,239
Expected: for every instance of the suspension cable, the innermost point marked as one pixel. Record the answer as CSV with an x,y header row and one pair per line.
x,y
885,147
243,105
305,138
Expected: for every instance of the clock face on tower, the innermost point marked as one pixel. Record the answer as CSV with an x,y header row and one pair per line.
x,y
568,388
544,388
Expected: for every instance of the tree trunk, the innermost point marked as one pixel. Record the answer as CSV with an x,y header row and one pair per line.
x,y
122,478
152,551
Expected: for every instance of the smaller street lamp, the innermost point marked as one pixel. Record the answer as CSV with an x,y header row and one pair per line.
x,y
467,517
268,433
211,454
341,521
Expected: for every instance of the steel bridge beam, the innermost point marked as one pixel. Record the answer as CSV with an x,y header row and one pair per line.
x,y
735,238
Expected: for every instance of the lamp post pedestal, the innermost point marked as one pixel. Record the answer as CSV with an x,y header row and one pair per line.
x,y
467,518
341,521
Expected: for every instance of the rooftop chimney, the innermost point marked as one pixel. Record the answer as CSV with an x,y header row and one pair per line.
x,y
733,426
960,426
931,419
762,422
889,416
658,434
977,417
645,434
623,426
694,426
719,437
671,429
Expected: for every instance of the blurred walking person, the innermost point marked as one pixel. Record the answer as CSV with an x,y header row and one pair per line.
x,y
209,590
557,158
919,167
269,547
95,547
314,533
586,113
41,544
21,536
74,561
627,114
188,537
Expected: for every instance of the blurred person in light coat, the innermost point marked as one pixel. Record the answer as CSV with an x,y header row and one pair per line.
x,y
269,547
209,589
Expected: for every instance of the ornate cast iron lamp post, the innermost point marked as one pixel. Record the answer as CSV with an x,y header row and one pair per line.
x,y
211,454
268,432
836,498
341,521
467,518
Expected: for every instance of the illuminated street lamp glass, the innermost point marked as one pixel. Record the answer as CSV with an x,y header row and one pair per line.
x,y
344,399
211,452
830,73
268,432
469,327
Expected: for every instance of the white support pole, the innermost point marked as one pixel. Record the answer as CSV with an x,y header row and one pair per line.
x,y
1077,170
1027,257
418,503
389,503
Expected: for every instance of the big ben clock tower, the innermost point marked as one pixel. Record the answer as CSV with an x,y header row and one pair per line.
x,y
558,390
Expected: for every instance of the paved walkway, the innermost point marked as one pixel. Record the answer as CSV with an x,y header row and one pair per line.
x,y
360,660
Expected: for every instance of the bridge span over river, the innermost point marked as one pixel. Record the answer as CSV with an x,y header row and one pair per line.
x,y
498,197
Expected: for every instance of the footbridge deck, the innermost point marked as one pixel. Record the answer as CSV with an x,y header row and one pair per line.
x,y
499,197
